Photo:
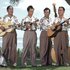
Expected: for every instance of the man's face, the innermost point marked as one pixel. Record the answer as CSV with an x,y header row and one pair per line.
x,y
30,12
46,13
60,11
10,11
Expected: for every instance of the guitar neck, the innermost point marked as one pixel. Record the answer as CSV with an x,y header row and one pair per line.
x,y
54,8
63,22
31,22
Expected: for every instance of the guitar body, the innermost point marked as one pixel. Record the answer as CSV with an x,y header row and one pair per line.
x,y
29,25
2,34
53,33
7,28
1,31
50,33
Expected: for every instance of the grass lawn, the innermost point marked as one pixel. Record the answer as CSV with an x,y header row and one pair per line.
x,y
28,67
34,68
37,68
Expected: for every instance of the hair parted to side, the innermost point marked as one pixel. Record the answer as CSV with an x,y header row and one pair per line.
x,y
8,7
29,7
62,8
46,9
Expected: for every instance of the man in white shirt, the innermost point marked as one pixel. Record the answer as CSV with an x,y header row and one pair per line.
x,y
30,37
61,39
45,41
10,39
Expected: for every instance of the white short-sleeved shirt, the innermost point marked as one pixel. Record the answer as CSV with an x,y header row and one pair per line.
x,y
13,19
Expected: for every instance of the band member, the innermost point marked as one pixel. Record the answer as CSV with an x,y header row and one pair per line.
x,y
30,37
61,39
2,60
10,39
45,41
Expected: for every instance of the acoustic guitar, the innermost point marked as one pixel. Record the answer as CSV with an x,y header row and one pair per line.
x,y
8,27
52,32
28,25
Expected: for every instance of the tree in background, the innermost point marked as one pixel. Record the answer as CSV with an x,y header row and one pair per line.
x,y
68,1
15,2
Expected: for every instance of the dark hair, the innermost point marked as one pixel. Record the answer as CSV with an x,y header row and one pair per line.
x,y
47,9
9,7
29,7
62,8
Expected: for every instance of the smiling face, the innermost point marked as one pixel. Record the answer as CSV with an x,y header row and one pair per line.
x,y
46,13
10,11
30,12
61,11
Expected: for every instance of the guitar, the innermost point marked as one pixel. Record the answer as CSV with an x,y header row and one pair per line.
x,y
28,25
52,32
8,28
54,8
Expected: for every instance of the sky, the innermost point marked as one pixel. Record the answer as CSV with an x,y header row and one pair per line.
x,y
20,11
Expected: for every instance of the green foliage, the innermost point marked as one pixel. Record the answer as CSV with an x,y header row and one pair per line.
x,y
68,1
14,2
38,68
19,57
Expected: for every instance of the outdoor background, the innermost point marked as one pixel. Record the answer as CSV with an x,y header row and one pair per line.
x,y
20,11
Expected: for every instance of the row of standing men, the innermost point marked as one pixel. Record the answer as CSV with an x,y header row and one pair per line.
x,y
9,44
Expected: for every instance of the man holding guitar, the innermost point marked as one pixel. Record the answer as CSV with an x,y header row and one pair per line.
x,y
61,38
30,36
2,60
10,38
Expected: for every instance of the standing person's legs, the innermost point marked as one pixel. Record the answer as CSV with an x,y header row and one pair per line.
x,y
49,59
13,51
5,47
65,46
43,47
33,42
57,46
26,45
9,47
